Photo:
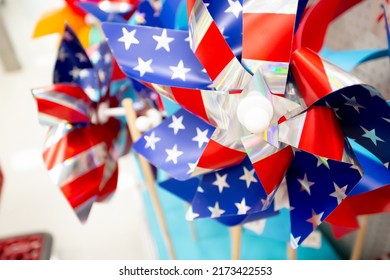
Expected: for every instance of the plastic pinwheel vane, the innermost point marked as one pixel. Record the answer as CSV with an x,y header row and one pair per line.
x,y
53,21
83,144
249,125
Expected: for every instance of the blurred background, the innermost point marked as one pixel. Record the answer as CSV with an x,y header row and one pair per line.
x,y
116,229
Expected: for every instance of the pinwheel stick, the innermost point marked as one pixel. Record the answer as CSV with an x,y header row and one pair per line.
x,y
359,241
235,235
194,233
147,171
291,252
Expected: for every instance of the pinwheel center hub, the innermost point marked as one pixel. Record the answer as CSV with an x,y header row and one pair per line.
x,y
255,112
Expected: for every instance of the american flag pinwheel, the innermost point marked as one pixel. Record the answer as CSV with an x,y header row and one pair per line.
x,y
256,114
83,145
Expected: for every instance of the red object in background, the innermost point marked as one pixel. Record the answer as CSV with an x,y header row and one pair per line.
x,y
27,247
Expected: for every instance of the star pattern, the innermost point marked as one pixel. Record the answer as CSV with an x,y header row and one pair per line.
x,y
242,207
144,66
315,219
305,184
339,193
163,41
201,137
128,38
248,177
234,7
151,141
176,124
216,211
179,71
370,134
220,182
173,154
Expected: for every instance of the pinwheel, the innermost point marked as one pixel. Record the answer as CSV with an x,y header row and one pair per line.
x,y
53,21
247,126
83,144
314,26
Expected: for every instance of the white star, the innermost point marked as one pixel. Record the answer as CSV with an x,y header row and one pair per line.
x,y
201,137
176,124
81,57
74,72
322,161
315,219
163,41
234,7
143,66
371,135
107,58
353,103
128,38
190,215
62,55
151,141
242,207
388,120
220,182
191,167
84,73
339,193
216,211
68,36
102,75
179,71
305,184
248,177
95,58
173,154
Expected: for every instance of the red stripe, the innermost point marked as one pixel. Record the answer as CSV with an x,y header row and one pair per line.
x,y
322,134
308,71
217,156
71,90
190,5
314,24
61,112
268,36
70,145
191,99
109,187
343,220
272,169
83,188
213,52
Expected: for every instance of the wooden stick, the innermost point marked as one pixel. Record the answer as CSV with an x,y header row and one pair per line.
x,y
359,241
148,174
194,233
291,252
235,235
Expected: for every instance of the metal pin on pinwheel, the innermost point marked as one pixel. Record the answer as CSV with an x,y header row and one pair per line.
x,y
247,131
83,144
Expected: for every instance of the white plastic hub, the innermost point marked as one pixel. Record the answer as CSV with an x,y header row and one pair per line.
x,y
255,113
154,116
143,123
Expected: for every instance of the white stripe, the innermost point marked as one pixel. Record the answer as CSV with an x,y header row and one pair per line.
x,y
270,6
74,167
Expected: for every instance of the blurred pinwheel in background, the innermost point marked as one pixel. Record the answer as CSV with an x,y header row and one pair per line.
x,y
83,144
249,127
54,21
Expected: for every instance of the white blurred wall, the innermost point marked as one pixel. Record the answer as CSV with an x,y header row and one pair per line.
x,y
30,202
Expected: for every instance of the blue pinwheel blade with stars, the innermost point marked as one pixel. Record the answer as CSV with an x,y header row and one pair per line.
x,y
232,191
179,141
143,52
